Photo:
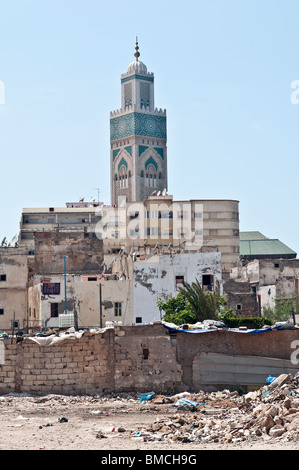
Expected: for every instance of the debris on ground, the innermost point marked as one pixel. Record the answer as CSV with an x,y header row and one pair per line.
x,y
266,414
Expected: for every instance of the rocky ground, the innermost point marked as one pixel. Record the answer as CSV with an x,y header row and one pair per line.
x,y
264,419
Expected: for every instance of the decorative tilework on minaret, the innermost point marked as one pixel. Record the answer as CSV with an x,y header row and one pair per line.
x,y
138,137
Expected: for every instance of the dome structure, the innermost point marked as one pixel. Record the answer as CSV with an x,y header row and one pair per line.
x,y
137,67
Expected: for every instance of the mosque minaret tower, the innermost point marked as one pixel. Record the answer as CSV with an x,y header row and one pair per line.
x,y
138,138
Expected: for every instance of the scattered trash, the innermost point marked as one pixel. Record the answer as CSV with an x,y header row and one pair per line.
x,y
146,396
63,420
270,379
267,413
189,403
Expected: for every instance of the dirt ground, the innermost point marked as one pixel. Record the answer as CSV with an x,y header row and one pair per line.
x,y
55,422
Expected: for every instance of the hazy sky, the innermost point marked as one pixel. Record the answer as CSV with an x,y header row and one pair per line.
x,y
223,70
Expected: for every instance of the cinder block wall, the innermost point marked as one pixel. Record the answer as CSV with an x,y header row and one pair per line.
x,y
142,358
121,359
72,366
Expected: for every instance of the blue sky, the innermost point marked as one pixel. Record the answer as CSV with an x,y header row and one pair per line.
x,y
223,70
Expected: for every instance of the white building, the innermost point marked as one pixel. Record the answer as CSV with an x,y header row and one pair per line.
x,y
158,278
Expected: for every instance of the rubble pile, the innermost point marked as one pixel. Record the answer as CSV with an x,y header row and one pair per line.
x,y
270,413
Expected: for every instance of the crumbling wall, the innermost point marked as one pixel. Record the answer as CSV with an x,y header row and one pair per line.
x,y
141,358
241,298
70,366
84,254
145,360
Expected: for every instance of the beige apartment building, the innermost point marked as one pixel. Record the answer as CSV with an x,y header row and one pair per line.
x,y
157,224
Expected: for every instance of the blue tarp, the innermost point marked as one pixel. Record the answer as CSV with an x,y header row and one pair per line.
x,y
230,330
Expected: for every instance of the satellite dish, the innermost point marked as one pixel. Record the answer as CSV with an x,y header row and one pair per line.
x,y
159,193
164,192
93,199
13,241
154,192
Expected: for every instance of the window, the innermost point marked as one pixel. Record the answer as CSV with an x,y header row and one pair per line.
x,y
179,280
54,310
134,233
197,215
152,231
151,214
92,279
1,311
2,277
166,215
239,307
198,232
134,215
276,265
207,282
213,232
117,309
138,320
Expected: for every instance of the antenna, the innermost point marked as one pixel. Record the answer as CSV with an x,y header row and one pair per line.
x,y
98,190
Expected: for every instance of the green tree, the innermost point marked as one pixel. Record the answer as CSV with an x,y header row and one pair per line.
x,y
284,307
177,310
204,304
193,304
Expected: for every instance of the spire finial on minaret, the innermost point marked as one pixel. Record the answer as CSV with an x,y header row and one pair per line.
x,y
137,53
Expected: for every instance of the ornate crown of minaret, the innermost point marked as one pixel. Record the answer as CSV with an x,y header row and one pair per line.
x,y
138,137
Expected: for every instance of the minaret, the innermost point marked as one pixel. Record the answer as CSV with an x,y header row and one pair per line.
x,y
138,137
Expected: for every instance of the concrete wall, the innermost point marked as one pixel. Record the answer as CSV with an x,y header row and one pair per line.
x,y
155,279
120,359
84,254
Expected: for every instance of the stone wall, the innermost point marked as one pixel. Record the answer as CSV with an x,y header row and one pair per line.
x,y
141,359
120,359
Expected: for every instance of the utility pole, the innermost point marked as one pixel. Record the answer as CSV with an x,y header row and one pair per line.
x,y
75,317
65,302
101,312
